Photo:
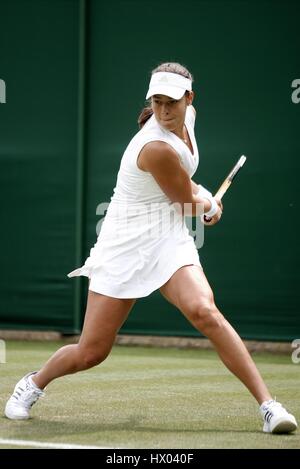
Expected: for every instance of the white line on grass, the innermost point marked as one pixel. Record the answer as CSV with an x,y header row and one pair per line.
x,y
45,444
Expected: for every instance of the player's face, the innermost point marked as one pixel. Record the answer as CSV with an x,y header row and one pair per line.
x,y
169,112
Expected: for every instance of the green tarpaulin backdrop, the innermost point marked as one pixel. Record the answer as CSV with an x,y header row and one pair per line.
x,y
76,74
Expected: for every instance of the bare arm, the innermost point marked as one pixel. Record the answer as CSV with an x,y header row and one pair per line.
x,y
161,160
195,187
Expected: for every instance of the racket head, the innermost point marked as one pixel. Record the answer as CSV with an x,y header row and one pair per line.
x,y
236,168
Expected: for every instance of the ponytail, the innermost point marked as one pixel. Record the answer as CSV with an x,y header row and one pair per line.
x,y
144,116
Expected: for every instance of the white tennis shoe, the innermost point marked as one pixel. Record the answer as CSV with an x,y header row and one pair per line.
x,y
24,396
276,418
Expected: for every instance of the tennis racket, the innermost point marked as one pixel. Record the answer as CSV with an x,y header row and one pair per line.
x,y
228,181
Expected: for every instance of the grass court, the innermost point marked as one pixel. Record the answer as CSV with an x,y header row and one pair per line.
x,y
145,397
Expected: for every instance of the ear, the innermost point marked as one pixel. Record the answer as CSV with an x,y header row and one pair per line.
x,y
190,98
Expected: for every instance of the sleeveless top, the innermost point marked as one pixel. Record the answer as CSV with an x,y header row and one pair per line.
x,y
143,238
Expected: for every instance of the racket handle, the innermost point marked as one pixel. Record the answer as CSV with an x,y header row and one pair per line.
x,y
219,194
221,191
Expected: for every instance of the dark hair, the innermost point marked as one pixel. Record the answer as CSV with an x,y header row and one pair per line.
x,y
172,67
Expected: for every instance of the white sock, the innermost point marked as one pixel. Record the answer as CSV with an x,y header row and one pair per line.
x,y
266,403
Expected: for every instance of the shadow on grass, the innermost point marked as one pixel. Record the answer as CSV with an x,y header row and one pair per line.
x,y
36,428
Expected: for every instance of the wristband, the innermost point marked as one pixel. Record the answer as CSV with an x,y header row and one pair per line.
x,y
214,206
213,209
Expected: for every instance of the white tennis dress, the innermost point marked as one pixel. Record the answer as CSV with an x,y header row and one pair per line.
x,y
143,239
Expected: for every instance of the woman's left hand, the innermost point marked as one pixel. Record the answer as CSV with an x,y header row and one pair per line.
x,y
217,216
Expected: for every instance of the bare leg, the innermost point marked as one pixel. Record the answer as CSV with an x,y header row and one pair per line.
x,y
104,317
189,290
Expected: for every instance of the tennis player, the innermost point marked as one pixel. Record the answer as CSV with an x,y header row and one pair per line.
x,y
144,245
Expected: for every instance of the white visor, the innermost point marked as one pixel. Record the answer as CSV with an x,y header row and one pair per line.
x,y
169,84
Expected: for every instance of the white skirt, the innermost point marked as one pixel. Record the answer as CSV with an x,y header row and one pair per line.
x,y
136,253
